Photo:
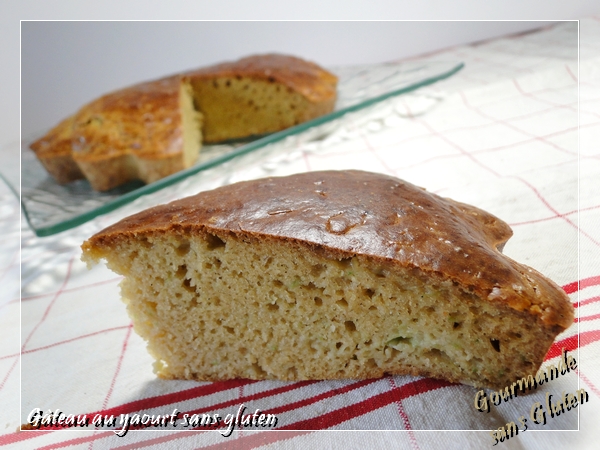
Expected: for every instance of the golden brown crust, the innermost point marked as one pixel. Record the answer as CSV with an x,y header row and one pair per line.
x,y
354,213
143,120
54,152
57,141
313,82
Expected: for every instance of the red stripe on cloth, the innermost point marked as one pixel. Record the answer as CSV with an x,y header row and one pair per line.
x,y
76,441
64,283
12,367
587,381
548,102
512,224
587,318
405,419
77,288
117,369
49,307
257,396
571,73
19,436
159,440
571,287
253,440
570,343
555,350
491,62
257,440
586,302
581,284
510,125
385,165
378,401
10,302
459,148
66,341
319,397
551,208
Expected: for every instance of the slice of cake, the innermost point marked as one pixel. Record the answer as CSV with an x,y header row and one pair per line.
x,y
328,275
261,94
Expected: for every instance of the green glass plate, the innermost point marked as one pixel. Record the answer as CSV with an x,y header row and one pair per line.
x,y
51,208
